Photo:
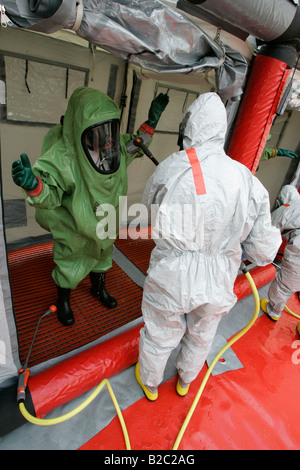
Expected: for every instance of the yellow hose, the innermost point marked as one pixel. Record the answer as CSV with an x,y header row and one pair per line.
x,y
291,313
220,353
78,409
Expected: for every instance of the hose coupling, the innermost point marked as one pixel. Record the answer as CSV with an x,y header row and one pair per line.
x,y
22,384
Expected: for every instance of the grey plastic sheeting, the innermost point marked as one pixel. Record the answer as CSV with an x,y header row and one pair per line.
x,y
9,360
146,33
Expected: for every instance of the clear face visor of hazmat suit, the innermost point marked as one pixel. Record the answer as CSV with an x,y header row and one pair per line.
x,y
101,144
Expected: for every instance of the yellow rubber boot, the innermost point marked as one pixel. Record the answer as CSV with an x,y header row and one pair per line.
x,y
263,306
181,391
151,396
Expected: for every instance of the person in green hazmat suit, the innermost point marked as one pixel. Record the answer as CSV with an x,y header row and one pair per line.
x,y
83,165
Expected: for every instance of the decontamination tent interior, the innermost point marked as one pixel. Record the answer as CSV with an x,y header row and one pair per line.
x,y
38,74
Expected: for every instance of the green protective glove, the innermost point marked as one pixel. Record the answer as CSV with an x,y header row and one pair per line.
x,y
22,174
158,105
269,152
286,153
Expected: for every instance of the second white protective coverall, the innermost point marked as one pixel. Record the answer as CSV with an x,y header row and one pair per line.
x,y
204,206
287,280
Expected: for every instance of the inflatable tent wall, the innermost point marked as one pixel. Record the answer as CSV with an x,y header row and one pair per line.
x,y
42,62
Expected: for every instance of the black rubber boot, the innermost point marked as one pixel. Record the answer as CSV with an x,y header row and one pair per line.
x,y
64,312
98,290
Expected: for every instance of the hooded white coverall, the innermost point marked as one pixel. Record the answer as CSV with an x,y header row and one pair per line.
x,y
205,206
287,280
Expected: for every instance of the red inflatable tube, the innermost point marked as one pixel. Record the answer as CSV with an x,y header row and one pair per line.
x,y
69,379
261,275
258,108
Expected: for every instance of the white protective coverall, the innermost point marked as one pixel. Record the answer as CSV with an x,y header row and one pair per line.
x,y
198,237
287,280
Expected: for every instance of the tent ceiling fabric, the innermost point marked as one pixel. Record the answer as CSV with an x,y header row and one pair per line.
x,y
147,33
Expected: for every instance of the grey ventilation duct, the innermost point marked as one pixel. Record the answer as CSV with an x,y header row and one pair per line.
x,y
276,21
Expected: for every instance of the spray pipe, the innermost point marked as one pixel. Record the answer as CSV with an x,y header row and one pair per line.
x,y
24,372
138,142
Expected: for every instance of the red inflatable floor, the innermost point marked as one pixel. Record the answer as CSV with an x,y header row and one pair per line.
x,y
255,407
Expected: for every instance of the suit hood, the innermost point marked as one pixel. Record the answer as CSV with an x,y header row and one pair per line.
x,y
288,194
205,122
86,107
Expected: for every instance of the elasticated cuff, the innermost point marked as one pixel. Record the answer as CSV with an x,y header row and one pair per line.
x,y
36,191
147,129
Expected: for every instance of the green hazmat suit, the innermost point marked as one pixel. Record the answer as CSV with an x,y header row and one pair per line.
x,y
73,189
